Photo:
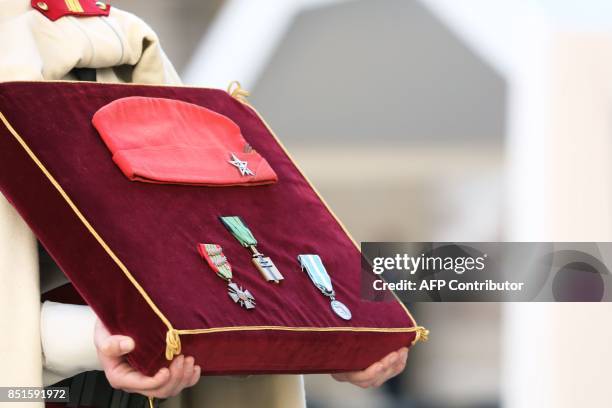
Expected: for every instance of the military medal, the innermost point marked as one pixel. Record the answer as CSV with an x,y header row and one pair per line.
x,y
317,273
243,234
213,255
241,166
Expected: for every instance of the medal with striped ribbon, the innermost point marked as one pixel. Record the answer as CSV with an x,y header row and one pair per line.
x,y
317,273
214,257
243,234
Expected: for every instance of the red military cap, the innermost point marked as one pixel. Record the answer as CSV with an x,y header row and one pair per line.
x,y
161,140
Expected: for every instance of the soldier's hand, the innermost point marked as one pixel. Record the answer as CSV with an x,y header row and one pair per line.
x,y
167,382
379,372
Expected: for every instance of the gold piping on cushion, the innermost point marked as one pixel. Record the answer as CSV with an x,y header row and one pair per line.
x,y
420,330
170,347
173,341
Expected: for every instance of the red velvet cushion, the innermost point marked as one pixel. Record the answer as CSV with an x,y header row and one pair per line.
x,y
130,248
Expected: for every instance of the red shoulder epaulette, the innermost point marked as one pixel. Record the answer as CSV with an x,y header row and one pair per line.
x,y
54,9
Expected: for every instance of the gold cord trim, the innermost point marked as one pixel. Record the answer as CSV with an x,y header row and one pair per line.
x,y
173,341
89,227
298,329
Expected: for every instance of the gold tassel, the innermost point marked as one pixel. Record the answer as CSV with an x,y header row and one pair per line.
x,y
422,334
173,344
236,91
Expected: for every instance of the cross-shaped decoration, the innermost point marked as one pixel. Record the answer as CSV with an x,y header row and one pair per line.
x,y
241,166
240,296
213,255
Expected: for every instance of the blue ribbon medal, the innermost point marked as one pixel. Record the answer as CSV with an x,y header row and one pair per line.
x,y
317,273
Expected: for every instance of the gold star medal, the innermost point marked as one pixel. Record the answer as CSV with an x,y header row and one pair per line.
x,y
241,165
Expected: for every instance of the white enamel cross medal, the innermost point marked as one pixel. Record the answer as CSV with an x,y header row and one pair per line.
x,y
241,165
213,255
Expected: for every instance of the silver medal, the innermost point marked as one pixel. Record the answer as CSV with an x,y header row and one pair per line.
x,y
317,273
341,310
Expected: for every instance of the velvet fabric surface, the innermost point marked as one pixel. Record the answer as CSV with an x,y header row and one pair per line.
x,y
152,231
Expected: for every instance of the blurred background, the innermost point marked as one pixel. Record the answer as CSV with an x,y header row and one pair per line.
x,y
437,120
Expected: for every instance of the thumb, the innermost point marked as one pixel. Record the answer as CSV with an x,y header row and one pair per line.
x,y
116,346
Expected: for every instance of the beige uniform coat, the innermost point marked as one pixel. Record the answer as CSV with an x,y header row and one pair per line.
x,y
121,48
